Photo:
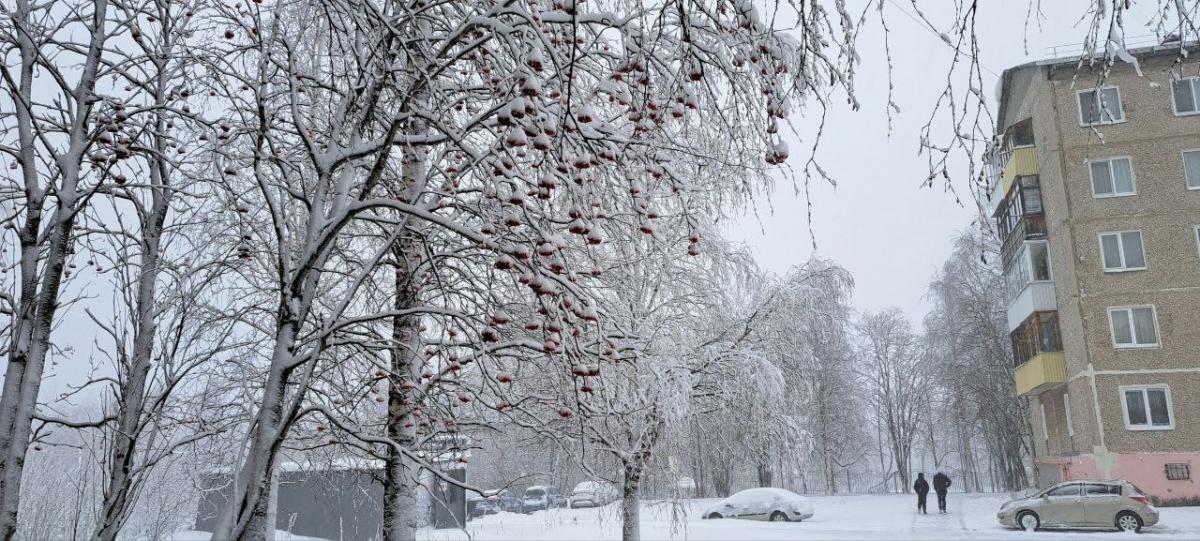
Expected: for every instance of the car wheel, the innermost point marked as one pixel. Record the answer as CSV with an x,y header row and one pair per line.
x,y
779,516
1129,522
714,515
1028,521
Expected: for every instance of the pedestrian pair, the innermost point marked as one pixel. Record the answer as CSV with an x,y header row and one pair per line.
x,y
941,485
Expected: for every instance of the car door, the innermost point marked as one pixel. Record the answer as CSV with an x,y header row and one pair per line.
x,y
743,505
1101,501
1062,506
758,505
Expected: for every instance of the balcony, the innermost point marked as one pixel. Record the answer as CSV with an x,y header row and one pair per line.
x,y
1019,216
1036,297
1021,162
1011,156
1044,371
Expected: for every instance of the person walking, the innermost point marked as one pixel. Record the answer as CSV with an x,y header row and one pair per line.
x,y
921,487
941,484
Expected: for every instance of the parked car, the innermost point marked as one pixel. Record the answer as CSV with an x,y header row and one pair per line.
x,y
773,504
492,502
477,506
506,500
592,494
541,497
1082,504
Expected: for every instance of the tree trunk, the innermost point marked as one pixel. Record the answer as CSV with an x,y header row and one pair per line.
x,y
765,476
39,291
402,474
246,519
631,526
117,495
121,460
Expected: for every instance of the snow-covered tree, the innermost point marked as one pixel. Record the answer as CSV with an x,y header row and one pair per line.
x,y
65,137
889,358
969,365
508,137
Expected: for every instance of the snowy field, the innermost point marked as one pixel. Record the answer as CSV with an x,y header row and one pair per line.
x,y
867,518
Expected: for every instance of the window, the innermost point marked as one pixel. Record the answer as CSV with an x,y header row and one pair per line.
x,y
1016,276
1031,192
1064,491
1112,177
1021,134
1191,168
1098,490
1178,472
1037,334
1100,106
1122,251
1186,96
1031,264
1039,260
1067,412
1133,326
1147,407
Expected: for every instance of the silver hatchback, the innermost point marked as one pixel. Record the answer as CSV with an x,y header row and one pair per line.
x,y
1082,504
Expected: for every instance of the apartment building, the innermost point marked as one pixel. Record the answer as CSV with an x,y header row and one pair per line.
x,y
1096,197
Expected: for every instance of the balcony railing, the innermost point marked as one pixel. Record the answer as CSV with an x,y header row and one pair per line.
x,y
1027,227
1039,333
1044,371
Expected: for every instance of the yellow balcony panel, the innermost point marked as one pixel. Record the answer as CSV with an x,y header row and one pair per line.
x,y
1023,161
1043,371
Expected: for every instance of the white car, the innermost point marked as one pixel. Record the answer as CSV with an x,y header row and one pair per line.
x,y
592,494
771,504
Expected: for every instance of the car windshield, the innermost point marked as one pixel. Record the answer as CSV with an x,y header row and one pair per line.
x,y
535,493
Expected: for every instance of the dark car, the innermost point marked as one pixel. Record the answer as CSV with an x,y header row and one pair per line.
x,y
505,500
492,502
541,497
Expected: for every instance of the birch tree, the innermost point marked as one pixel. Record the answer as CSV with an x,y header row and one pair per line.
x,y
971,367
889,357
60,154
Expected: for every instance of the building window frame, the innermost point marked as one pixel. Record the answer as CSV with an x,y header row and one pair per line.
x,y
1120,236
1136,344
1196,235
1097,92
1187,182
1178,471
1143,390
1021,273
1192,84
1112,178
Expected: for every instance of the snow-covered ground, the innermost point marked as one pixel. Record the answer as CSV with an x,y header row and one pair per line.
x,y
867,518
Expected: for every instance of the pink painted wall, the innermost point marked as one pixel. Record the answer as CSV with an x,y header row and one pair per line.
x,y
1146,470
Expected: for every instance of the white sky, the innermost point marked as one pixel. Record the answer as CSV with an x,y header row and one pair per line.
x,y
879,223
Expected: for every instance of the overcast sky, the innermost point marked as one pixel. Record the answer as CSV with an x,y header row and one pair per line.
x,y
878,222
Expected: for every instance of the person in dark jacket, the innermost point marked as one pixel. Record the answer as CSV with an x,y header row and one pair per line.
x,y
922,489
941,484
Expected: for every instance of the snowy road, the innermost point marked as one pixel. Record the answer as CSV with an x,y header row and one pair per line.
x,y
866,518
